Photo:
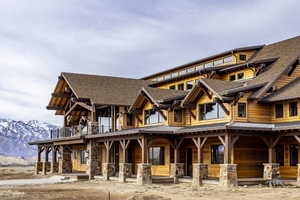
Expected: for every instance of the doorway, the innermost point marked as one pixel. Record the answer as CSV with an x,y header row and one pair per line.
x,y
189,162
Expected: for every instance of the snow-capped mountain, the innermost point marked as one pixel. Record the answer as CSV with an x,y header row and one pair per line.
x,y
15,135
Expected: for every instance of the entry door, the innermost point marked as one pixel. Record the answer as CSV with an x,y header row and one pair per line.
x,y
189,162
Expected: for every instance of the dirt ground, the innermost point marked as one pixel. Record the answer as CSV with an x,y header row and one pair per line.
x,y
98,189
24,172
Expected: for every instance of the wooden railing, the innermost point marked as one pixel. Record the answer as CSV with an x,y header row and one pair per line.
x,y
91,129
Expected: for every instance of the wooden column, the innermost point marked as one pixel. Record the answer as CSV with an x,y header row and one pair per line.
x,y
144,145
108,145
93,113
228,142
40,150
271,142
199,144
124,145
47,150
176,146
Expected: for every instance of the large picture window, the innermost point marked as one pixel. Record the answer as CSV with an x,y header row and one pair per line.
x,y
293,155
210,111
152,117
156,155
217,154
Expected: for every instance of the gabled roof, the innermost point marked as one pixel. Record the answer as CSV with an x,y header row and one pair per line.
x,y
104,90
214,85
288,92
157,96
286,51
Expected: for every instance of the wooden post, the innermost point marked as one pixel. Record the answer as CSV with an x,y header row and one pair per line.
x,y
124,145
271,143
39,154
144,145
199,144
108,145
113,118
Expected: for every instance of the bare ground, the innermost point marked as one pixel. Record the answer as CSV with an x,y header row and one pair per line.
x,y
100,190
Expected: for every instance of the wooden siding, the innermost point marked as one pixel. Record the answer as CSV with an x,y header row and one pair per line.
x,y
76,158
285,79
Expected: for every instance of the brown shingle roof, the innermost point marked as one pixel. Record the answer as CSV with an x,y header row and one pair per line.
x,y
286,51
220,85
290,91
159,94
105,89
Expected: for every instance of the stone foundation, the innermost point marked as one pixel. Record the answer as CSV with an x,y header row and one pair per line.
x,y
125,171
271,171
65,163
177,170
144,175
228,175
107,170
38,167
199,172
54,167
46,168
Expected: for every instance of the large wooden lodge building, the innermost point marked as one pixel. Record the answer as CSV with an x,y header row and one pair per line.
x,y
229,116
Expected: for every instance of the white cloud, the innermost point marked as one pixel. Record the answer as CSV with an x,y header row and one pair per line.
x,y
40,39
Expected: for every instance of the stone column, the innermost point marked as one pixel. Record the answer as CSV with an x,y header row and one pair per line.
x,y
228,175
65,163
176,171
125,171
144,175
93,167
107,170
38,167
271,170
298,175
200,172
45,167
54,163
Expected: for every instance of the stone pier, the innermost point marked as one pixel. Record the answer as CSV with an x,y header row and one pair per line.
x,y
200,172
54,167
271,171
228,175
125,171
298,174
177,171
93,167
65,163
144,175
107,170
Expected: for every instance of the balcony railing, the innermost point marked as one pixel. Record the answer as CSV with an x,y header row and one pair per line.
x,y
91,129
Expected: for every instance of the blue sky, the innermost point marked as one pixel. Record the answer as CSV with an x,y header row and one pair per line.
x,y
40,39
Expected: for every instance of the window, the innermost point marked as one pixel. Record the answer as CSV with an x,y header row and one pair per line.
x,y
210,111
190,69
241,111
240,75
156,155
83,156
172,87
243,57
293,155
130,119
199,67
180,86
208,65
160,78
217,154
232,77
228,59
279,110
189,85
293,108
218,62
168,76
175,74
182,72
279,149
152,117
177,115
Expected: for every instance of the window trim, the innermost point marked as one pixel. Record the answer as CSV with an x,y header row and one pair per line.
x,y
232,75
237,110
162,159
214,161
181,115
290,110
276,113
187,83
160,118
83,159
297,157
243,76
180,85
200,118
172,87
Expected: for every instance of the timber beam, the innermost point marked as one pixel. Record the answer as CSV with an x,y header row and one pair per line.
x,y
55,108
61,95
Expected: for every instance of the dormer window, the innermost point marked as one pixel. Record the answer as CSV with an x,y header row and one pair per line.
x,y
177,115
228,59
232,77
189,85
172,87
180,86
152,117
210,111
240,75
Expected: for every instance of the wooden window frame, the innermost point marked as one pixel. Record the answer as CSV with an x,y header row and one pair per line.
x,y
291,113
230,77
200,117
172,87
187,85
294,164
243,76
245,111
214,157
161,159
277,116
159,120
83,158
179,85
181,116
279,160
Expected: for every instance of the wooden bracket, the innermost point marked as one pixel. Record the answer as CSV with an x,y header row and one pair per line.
x,y
222,105
297,138
192,114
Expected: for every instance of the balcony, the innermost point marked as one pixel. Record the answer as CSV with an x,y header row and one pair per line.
x,y
91,129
